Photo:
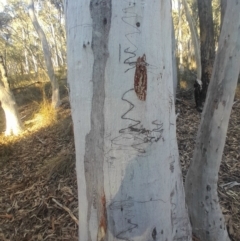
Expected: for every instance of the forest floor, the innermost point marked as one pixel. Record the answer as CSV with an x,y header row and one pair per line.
x,y
38,186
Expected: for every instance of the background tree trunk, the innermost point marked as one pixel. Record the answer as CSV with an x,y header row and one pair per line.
x,y
7,100
179,38
121,89
174,65
47,55
207,44
195,40
201,181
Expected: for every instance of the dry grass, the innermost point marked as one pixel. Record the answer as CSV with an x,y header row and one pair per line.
x,y
45,115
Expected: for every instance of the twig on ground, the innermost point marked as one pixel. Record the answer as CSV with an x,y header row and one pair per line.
x,y
41,140
67,210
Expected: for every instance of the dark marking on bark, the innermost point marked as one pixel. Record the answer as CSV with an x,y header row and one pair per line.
x,y
119,52
208,188
94,147
140,78
161,231
172,167
138,24
104,21
154,233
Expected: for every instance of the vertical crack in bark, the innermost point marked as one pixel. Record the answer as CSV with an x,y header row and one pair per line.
x,y
94,152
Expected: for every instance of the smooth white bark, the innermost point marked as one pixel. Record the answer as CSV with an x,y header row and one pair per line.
x,y
7,100
47,55
121,91
201,181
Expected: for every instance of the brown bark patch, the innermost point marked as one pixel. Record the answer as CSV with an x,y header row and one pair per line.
x,y
140,78
102,230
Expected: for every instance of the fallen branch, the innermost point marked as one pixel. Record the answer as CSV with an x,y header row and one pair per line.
x,y
67,210
8,216
43,142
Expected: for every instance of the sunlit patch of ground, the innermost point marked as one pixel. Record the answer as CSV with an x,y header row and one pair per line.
x,y
38,180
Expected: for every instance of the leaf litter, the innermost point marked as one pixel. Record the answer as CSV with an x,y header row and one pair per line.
x,y
38,185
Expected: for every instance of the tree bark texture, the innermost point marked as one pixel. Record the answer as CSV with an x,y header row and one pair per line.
x,y
47,55
195,39
207,44
223,10
201,181
121,91
174,65
7,100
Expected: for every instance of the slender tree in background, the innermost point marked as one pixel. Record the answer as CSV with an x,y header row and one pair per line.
x,y
195,39
201,181
47,55
121,90
8,103
174,64
207,46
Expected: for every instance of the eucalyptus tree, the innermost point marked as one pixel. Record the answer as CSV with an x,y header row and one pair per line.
x,y
121,91
201,181
7,100
207,45
47,55
8,103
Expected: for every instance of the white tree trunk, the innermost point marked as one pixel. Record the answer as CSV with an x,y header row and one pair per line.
x,y
7,101
201,182
121,91
47,55
35,64
194,40
55,45
26,66
179,39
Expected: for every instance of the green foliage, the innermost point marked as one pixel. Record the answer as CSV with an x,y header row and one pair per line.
x,y
20,44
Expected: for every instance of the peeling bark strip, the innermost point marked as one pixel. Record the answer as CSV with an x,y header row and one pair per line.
x,y
94,151
102,230
140,78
